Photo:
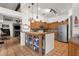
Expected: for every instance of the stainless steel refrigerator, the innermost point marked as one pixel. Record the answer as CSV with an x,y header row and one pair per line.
x,y
63,33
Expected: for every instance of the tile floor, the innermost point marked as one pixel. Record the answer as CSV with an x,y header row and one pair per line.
x,y
61,49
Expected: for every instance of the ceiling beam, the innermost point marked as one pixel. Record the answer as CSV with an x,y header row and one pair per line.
x,y
10,13
18,6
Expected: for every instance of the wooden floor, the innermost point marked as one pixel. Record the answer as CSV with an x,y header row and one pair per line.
x,y
12,47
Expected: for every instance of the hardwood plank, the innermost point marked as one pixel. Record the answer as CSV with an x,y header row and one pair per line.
x,y
3,52
10,52
12,47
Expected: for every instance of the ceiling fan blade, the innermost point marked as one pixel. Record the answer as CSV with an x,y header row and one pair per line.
x,y
53,11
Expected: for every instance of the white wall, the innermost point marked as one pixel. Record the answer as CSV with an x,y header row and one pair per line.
x,y
10,23
69,23
1,20
58,18
34,16
25,17
7,23
24,21
75,9
11,13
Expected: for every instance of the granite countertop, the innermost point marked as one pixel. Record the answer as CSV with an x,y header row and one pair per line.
x,y
38,33
52,31
75,40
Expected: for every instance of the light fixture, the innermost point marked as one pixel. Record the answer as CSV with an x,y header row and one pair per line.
x,y
32,20
29,18
37,18
32,10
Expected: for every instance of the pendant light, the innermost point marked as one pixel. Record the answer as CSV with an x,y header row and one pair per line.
x,y
32,12
28,22
31,18
28,13
37,18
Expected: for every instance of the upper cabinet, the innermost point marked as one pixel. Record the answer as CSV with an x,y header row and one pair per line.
x,y
53,25
35,25
44,25
38,25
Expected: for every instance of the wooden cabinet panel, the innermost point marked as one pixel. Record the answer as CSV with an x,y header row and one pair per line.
x,y
53,25
44,25
35,25
73,50
77,52
56,35
39,25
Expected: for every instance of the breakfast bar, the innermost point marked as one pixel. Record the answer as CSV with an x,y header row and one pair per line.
x,y
39,42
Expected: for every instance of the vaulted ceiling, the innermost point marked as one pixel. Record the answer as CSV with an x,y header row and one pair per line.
x,y
11,6
44,8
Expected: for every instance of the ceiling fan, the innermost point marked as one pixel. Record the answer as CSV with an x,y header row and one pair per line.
x,y
53,10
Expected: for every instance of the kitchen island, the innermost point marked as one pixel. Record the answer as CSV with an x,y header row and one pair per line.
x,y
74,46
40,42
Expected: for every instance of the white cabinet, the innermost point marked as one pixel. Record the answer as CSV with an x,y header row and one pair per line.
x,y
49,42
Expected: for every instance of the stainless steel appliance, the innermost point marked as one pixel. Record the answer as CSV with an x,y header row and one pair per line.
x,y
63,33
